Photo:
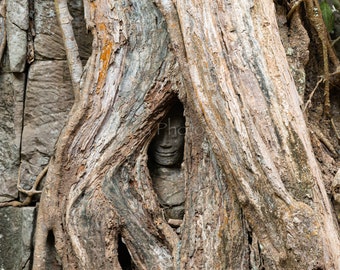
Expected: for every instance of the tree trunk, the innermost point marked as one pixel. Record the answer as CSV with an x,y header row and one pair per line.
x,y
254,196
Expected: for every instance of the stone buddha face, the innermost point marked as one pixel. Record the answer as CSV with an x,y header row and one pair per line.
x,y
166,148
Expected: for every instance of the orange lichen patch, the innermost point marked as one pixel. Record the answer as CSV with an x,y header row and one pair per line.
x,y
101,27
105,59
105,55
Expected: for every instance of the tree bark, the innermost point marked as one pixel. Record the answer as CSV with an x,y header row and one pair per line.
x,y
254,193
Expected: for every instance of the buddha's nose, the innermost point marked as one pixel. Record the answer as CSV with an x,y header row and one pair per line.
x,y
165,142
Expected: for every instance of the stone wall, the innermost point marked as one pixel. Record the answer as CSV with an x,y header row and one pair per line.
x,y
16,231
35,99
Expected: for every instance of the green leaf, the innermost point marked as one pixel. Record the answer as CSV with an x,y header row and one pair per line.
x,y
328,16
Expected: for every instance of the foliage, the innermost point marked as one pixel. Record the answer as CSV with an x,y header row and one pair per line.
x,y
327,15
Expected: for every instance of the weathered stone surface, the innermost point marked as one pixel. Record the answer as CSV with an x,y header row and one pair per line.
x,y
5,68
49,98
16,232
84,39
16,26
170,188
16,44
17,13
11,111
48,42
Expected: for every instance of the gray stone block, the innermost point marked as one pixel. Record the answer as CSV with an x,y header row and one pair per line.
x,y
49,97
11,111
17,13
16,232
48,42
17,47
16,26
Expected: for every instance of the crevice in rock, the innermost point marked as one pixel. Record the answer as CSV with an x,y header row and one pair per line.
x,y
31,33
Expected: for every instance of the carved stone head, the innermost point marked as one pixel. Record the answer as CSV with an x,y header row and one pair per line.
x,y
166,148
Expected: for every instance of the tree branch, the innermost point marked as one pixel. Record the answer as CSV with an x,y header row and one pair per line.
x,y
71,47
30,193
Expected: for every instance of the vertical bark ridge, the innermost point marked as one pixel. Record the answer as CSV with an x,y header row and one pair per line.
x,y
253,64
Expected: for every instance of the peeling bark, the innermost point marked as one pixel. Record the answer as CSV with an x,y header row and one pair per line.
x,y
254,193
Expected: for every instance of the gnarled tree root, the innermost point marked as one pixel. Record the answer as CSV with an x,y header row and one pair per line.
x,y
30,193
315,17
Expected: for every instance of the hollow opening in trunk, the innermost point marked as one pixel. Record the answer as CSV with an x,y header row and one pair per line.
x,y
165,159
52,260
124,256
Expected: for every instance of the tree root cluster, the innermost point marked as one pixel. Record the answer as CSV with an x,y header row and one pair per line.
x,y
329,57
29,193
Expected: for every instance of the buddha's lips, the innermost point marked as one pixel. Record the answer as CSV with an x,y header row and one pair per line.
x,y
166,153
